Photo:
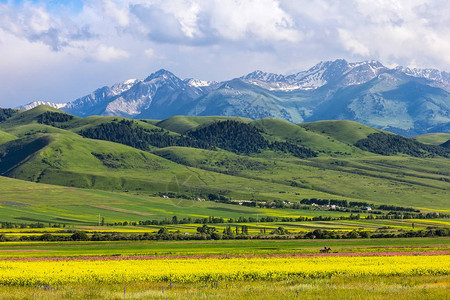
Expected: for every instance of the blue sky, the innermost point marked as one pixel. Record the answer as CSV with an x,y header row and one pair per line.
x,y
61,50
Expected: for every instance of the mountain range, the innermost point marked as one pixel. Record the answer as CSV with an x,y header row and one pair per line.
x,y
402,100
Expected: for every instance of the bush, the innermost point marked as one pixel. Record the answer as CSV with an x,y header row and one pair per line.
x,y
46,237
80,236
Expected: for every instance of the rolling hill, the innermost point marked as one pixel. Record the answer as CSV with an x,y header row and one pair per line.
x,y
433,138
187,161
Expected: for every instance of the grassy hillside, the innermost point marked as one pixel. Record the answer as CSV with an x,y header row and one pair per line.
x,y
283,130
424,184
71,160
6,137
29,116
433,138
45,203
49,149
345,131
182,124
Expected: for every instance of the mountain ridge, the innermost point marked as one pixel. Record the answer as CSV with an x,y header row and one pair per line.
x,y
366,92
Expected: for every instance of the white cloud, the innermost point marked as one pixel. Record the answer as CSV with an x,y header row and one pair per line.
x,y
108,53
263,19
350,43
119,14
211,39
149,52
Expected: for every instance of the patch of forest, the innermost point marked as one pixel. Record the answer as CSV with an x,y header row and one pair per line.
x,y
242,138
52,118
446,144
124,132
6,113
389,144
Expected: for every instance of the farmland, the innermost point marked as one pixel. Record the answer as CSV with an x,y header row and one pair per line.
x,y
233,269
82,249
179,208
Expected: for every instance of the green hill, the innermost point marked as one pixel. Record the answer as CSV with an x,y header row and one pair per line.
x,y
182,124
433,138
30,116
342,130
323,144
193,157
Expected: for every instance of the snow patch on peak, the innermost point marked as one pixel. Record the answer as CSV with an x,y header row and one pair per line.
x,y
430,74
130,81
119,88
40,102
199,83
127,107
264,76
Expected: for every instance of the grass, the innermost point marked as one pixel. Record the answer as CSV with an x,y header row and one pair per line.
x,y
75,206
423,183
433,138
325,145
182,124
339,287
221,248
6,137
342,130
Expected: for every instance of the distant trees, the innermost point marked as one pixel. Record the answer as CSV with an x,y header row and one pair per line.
x,y
6,113
206,229
295,150
125,132
238,232
80,236
390,144
51,117
237,137
280,231
233,136
242,138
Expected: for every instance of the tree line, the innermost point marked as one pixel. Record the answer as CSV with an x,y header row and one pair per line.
x,y
242,138
51,118
390,144
124,132
6,113
206,232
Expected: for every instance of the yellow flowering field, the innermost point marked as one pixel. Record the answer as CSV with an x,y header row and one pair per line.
x,y
56,272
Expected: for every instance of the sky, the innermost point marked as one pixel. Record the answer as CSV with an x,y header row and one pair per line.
x,y
60,50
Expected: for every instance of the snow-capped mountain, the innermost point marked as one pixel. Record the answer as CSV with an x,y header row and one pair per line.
x,y
403,100
156,96
431,74
320,75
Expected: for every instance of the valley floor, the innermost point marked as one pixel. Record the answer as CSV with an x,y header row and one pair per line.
x,y
414,268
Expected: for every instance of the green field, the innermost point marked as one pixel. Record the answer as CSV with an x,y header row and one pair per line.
x,y
221,248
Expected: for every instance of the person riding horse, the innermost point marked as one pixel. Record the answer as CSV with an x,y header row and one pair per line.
x,y
325,250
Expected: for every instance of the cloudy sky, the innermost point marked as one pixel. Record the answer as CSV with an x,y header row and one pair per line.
x,y
59,50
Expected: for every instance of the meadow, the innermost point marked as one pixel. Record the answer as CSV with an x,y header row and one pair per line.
x,y
56,182
366,287
220,248
237,270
